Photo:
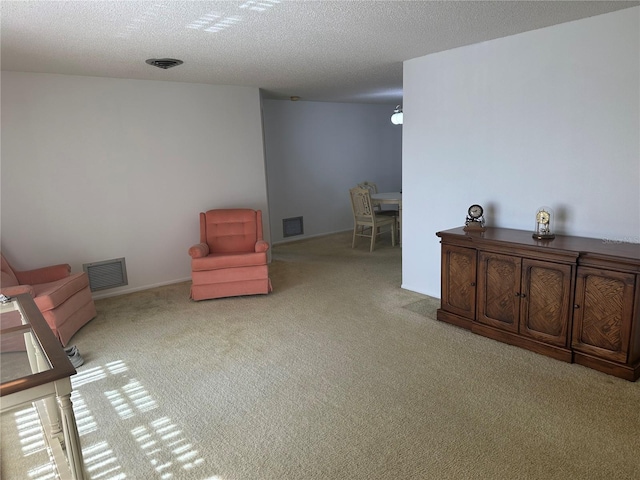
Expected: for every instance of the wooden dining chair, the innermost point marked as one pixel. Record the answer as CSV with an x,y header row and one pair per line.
x,y
366,221
373,188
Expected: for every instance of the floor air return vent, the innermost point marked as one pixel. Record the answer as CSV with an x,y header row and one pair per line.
x,y
292,226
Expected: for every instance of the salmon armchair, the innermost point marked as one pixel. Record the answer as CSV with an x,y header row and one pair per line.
x,y
231,258
63,298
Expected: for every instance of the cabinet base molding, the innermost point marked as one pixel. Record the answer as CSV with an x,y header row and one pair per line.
x,y
626,372
631,373
559,353
516,340
453,319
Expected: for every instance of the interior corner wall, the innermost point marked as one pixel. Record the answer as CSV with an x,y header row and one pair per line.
x,y
316,151
100,168
544,118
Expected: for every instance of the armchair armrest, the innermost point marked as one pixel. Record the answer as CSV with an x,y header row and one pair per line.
x,y
261,246
199,250
17,290
43,275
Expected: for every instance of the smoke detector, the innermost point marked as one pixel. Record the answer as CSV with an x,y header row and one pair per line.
x,y
164,62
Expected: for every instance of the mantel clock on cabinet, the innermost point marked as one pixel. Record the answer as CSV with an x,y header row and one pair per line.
x,y
475,219
544,224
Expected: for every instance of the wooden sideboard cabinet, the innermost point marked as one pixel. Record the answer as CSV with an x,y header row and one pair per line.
x,y
572,298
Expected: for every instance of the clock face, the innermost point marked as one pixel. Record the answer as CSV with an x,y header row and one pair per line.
x,y
543,217
475,211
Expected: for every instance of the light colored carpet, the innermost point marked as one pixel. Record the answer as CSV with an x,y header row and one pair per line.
x,y
338,374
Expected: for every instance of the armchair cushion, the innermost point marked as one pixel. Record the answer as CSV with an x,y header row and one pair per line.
x,y
53,294
231,230
43,275
217,261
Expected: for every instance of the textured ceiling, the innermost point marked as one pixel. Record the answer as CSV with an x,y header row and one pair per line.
x,y
341,51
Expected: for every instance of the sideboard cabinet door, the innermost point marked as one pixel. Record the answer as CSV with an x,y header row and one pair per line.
x,y
603,313
499,290
525,296
546,301
459,280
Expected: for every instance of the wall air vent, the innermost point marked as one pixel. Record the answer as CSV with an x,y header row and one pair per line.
x,y
292,226
106,274
164,62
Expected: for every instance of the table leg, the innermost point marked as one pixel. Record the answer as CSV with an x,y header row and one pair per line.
x,y
52,412
71,437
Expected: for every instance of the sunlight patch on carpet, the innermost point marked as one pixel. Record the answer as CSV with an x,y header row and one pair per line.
x,y
155,435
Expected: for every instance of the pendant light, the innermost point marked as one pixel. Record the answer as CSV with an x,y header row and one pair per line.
x,y
396,118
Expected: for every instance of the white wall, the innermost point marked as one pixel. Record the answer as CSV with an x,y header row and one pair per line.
x,y
548,117
100,168
316,151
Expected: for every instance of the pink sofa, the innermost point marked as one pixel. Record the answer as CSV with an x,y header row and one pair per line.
x,y
63,298
231,258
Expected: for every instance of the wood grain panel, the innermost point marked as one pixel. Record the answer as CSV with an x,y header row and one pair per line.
x,y
498,287
546,300
459,285
500,292
603,307
459,280
603,314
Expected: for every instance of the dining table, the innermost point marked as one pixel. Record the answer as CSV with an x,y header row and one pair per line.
x,y
391,198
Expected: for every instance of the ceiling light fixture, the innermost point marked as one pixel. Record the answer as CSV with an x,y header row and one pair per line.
x,y
164,63
396,118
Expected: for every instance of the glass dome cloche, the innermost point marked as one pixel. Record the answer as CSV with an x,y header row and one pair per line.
x,y
544,226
